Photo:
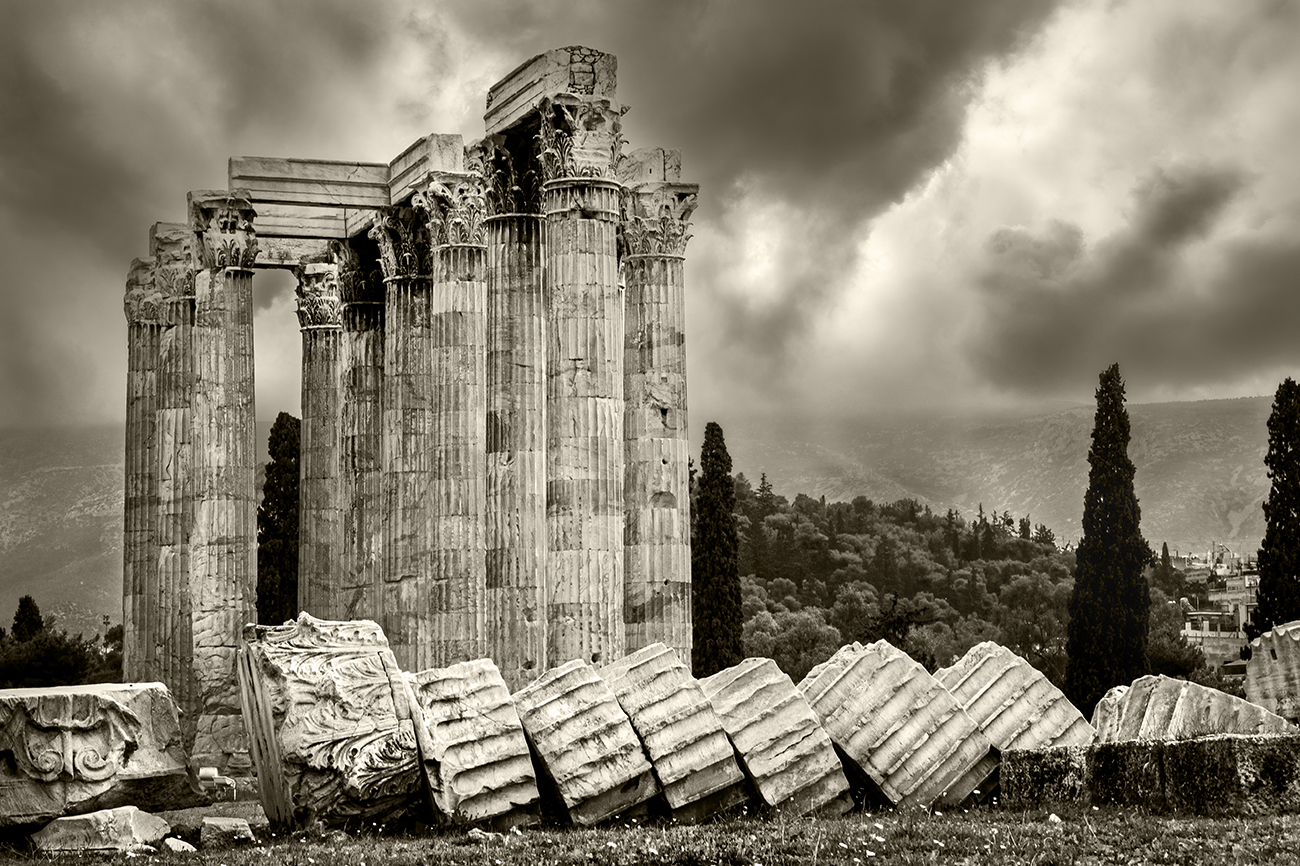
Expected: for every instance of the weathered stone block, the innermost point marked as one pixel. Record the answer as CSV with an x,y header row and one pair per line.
x,y
117,829
778,739
330,723
681,733
1160,708
225,833
899,725
1040,776
79,749
1273,672
1013,703
478,765
589,759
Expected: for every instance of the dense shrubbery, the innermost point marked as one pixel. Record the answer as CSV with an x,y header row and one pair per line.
x,y
35,654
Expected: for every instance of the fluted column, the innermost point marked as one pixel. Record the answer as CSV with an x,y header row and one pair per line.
x,y
144,315
456,595
361,460
223,548
173,245
584,376
657,554
320,532
403,237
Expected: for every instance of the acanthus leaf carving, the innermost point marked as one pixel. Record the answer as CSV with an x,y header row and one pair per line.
x,y
580,138
508,191
143,303
405,248
320,303
656,219
457,206
70,736
223,223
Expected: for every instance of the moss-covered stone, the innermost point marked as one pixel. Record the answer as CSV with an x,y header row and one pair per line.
x,y
1035,777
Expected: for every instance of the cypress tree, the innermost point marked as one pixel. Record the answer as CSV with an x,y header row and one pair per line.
x,y
277,526
1279,557
715,581
28,622
1106,641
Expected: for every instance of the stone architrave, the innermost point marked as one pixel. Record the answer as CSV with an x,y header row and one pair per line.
x,y
456,595
223,546
682,735
1273,672
119,829
779,741
332,723
405,254
590,762
899,726
320,534
1161,708
78,749
168,631
657,552
1013,703
478,768
580,142
516,539
361,291
145,314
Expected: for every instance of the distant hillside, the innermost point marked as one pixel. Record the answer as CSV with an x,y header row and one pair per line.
x,y
1200,478
1200,466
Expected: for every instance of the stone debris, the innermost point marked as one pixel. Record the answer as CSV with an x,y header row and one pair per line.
x,y
1013,703
79,749
179,846
1273,672
478,768
778,739
331,723
899,725
590,762
682,735
1160,708
225,833
120,829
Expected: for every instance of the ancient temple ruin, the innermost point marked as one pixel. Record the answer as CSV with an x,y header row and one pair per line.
x,y
494,441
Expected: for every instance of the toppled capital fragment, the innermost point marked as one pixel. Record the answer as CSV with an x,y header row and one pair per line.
x,y
78,749
899,725
1013,703
584,744
682,735
330,722
478,765
117,829
1160,708
778,739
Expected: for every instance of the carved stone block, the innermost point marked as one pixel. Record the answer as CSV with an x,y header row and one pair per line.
x,y
1273,672
590,762
330,721
1013,703
119,829
479,768
78,749
778,739
681,733
899,725
1160,708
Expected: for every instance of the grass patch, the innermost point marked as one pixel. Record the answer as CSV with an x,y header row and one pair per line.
x,y
985,836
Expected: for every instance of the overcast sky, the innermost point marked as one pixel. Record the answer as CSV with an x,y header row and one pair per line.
x,y
904,205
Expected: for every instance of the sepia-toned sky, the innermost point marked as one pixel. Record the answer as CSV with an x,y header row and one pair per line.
x,y
906,205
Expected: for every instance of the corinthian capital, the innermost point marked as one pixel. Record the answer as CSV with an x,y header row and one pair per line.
x,y
172,247
580,137
223,224
405,248
457,204
656,217
513,182
357,283
320,303
143,303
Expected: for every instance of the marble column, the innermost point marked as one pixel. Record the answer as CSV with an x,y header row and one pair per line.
x,y
320,526
456,596
145,313
657,553
361,291
584,382
223,547
405,255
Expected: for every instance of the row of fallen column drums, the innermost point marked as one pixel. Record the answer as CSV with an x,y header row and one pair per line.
x,y
339,734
